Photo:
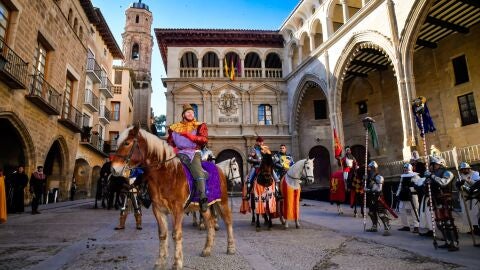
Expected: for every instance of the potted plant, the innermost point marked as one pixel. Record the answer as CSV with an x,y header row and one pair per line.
x,y
86,133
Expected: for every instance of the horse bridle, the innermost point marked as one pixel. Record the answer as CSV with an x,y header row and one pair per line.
x,y
230,172
304,171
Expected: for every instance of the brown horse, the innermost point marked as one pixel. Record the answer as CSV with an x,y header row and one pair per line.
x,y
169,190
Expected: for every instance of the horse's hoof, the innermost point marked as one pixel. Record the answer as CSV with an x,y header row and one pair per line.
x,y
217,227
231,251
202,227
269,228
206,253
177,266
159,267
298,226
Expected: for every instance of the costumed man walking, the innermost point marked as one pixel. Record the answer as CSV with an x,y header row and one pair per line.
x,y
469,178
440,180
282,161
102,185
38,182
19,181
129,199
408,198
188,137
376,207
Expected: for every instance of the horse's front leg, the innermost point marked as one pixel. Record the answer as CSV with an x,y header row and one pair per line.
x,y
177,237
257,222
297,224
195,221
208,220
252,206
161,218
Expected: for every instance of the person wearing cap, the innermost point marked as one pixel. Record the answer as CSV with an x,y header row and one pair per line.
x,y
441,186
38,182
408,198
417,163
468,178
254,158
188,137
376,209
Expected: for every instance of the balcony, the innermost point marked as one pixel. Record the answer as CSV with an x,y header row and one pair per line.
x,y
253,73
71,118
273,73
110,146
188,72
13,70
44,96
95,143
94,71
91,100
104,115
106,86
211,72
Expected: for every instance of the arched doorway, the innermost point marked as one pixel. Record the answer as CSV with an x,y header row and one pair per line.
x,y
321,165
228,154
95,177
53,168
82,176
12,154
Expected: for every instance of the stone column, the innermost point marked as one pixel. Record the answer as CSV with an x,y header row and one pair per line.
x,y
242,62
312,42
263,69
300,53
199,68
221,67
346,14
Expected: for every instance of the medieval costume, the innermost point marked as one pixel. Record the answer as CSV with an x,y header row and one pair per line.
x,y
188,137
129,199
349,165
408,199
18,182
337,190
468,179
376,205
283,162
3,199
38,183
440,180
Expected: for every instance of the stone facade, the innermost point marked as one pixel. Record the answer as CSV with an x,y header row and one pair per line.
x,y
336,54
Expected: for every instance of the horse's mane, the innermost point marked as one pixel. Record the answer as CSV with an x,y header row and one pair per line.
x,y
155,145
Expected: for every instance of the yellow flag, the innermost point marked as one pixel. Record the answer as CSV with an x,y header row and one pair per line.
x,y
232,70
225,65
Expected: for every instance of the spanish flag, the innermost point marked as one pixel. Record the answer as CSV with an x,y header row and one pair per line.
x,y
338,145
225,66
232,70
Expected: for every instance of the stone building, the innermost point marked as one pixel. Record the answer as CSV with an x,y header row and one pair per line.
x,y
340,60
43,62
137,47
122,102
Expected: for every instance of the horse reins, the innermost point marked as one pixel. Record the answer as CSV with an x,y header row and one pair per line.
x,y
230,172
301,177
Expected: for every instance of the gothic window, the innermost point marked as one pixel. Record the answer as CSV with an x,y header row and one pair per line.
x,y
137,19
135,51
195,110
264,114
460,70
69,18
320,108
75,25
468,111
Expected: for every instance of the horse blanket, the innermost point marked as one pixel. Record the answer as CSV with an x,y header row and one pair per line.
x,y
265,199
291,201
245,206
212,184
337,187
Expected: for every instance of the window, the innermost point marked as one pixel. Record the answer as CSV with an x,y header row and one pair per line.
x,y
320,107
40,60
137,19
118,77
4,16
195,110
362,107
460,70
75,25
264,114
468,111
80,33
86,120
116,111
69,17
135,52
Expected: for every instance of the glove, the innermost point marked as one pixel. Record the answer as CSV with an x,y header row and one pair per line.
x,y
427,174
459,184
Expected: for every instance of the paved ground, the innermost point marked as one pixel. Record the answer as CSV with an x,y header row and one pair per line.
x,y
72,235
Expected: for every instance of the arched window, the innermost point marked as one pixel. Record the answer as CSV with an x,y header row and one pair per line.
x,y
75,25
69,18
80,32
135,51
137,19
264,114
195,109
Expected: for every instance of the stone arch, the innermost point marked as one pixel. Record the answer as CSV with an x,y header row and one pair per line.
x,y
56,166
316,31
187,50
27,144
321,164
298,96
269,51
254,50
82,174
207,50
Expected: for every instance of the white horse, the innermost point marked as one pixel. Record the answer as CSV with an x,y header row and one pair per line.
x,y
301,171
231,170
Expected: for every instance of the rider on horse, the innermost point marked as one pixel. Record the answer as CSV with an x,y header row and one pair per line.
x,y
283,161
188,137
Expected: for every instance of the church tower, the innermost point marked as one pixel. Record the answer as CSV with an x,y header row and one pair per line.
x,y
137,48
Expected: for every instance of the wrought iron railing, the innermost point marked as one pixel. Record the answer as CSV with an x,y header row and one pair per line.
x,y
93,66
42,89
14,66
106,85
91,99
104,113
72,114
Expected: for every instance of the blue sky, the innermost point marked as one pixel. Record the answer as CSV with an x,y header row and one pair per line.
x,y
218,14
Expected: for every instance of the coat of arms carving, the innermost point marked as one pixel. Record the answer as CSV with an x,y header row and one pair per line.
x,y
228,104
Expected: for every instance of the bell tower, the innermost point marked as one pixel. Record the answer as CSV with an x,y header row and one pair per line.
x,y
137,49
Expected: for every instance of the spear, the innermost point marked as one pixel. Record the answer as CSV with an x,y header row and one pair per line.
x,y
419,110
369,128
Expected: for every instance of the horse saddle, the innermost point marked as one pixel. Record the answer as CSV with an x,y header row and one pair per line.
x,y
212,183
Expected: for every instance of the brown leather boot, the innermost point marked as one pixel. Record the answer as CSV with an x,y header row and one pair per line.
x,y
121,224
138,221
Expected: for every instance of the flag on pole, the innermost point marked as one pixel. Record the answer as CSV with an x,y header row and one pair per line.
x,y
232,70
338,145
368,124
225,66
428,125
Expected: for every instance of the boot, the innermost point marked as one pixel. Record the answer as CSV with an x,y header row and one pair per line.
x,y
249,191
121,225
372,229
278,191
203,202
138,220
